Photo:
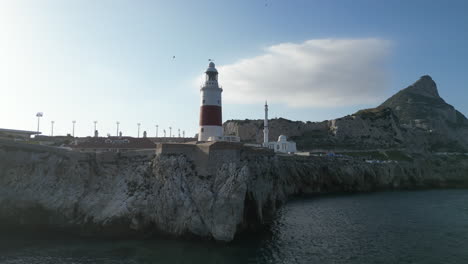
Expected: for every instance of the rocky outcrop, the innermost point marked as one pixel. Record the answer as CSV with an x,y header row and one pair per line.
x,y
140,194
420,108
420,101
366,129
416,119
251,131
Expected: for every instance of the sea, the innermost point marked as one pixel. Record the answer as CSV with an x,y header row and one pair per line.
x,y
384,227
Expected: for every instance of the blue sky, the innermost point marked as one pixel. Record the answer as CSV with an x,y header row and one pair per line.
x,y
111,60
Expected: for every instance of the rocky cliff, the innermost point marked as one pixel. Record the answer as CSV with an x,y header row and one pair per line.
x,y
141,194
420,108
416,119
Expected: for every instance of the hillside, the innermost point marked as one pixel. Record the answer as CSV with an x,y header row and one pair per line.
x,y
416,119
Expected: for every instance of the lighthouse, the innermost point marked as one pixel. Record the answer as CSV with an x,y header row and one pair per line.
x,y
211,126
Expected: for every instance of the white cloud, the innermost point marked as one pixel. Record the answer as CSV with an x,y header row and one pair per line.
x,y
316,73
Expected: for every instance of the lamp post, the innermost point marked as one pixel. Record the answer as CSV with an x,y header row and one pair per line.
x,y
170,131
183,134
178,132
73,130
164,130
117,133
94,132
38,115
138,124
157,130
52,128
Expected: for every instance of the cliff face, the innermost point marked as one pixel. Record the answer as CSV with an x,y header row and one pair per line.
x,y
367,129
416,118
118,194
251,131
141,194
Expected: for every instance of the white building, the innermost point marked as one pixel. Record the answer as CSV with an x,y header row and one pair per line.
x,y
282,145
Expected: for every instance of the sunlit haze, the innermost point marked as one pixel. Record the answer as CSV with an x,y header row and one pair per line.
x,y
141,61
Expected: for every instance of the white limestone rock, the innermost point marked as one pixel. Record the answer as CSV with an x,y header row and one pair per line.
x,y
126,194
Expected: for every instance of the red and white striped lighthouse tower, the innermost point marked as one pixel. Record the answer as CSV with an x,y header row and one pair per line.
x,y
211,126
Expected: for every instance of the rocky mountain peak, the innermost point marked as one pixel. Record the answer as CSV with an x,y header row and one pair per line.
x,y
419,106
424,86
423,91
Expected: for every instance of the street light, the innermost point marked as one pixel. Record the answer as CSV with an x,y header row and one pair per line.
x,y
73,131
52,129
183,134
118,123
164,130
170,131
39,115
157,130
138,124
178,131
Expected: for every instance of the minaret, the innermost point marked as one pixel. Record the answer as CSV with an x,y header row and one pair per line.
x,y
210,110
265,126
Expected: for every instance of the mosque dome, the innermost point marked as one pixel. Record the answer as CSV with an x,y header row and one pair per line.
x,y
282,138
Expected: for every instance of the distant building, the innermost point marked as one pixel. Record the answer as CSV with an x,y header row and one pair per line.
x,y
116,144
282,145
17,135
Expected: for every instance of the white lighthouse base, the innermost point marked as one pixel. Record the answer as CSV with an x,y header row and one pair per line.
x,y
225,139
207,132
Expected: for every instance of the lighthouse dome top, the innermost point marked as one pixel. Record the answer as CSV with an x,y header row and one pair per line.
x,y
211,67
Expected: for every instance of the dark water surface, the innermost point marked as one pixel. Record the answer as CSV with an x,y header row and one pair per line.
x,y
389,227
